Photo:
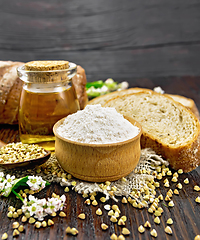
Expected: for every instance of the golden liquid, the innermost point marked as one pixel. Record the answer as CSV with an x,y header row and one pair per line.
x,y
39,111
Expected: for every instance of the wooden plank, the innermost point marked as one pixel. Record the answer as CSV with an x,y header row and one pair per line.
x,y
108,38
123,64
77,25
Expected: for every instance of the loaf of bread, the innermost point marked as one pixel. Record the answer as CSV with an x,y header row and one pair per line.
x,y
169,128
10,91
187,102
11,86
79,81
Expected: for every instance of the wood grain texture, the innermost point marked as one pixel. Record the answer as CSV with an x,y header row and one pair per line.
x,y
108,38
185,213
98,164
143,42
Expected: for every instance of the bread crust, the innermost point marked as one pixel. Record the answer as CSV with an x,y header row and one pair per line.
x,y
10,91
183,157
79,81
104,98
186,156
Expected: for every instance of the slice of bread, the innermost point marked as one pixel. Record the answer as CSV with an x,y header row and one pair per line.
x,y
104,98
187,102
169,128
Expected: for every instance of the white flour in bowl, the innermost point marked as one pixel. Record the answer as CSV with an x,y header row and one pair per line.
x,y
96,124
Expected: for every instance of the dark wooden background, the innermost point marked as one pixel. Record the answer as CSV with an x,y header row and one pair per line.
x,y
145,42
109,38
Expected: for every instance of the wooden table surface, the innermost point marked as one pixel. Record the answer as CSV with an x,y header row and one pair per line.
x,y
147,43
185,213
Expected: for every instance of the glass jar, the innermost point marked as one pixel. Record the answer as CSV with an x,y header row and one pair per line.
x,y
46,97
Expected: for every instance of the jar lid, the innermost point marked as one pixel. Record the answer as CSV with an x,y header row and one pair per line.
x,y
47,71
46,65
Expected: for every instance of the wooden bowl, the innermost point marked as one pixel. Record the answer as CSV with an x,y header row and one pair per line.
x,y
98,162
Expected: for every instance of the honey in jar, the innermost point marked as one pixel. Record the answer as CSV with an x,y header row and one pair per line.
x,y
47,96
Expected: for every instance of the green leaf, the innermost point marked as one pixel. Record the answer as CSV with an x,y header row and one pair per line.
x,y
47,183
95,84
16,194
111,86
18,182
22,182
93,94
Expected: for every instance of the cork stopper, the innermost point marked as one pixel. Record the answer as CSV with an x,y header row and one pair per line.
x,y
46,65
47,71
